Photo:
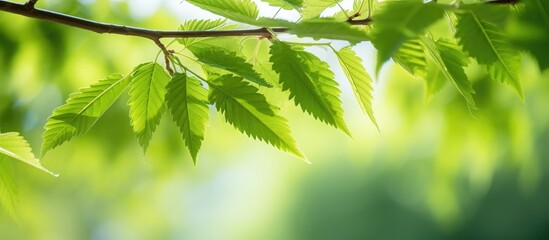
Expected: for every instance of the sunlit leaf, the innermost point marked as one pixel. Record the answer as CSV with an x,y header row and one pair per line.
x,y
249,112
12,145
188,103
434,80
285,4
220,58
397,21
257,54
273,22
360,80
411,57
485,42
8,189
313,8
197,43
199,25
147,94
81,111
449,59
244,11
310,82
329,29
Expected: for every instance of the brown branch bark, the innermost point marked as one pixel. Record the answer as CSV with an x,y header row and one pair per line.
x,y
28,10
167,54
30,4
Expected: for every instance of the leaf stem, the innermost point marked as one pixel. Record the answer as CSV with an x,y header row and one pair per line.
x,y
342,9
277,11
167,54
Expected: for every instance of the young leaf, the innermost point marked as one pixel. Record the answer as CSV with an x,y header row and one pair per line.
x,y
147,94
244,11
221,58
81,111
14,146
310,82
411,57
285,4
199,25
434,80
398,21
8,190
313,8
483,41
330,29
273,22
360,80
450,61
250,113
188,103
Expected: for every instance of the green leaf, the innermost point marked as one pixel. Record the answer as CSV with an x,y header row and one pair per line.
x,y
250,113
529,30
273,22
8,189
188,103
362,7
199,25
147,94
450,60
244,11
360,80
398,21
231,44
313,8
485,42
81,111
285,4
411,57
229,61
434,80
257,53
330,29
310,82
14,146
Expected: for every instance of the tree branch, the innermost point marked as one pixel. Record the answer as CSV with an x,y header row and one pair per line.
x,y
28,10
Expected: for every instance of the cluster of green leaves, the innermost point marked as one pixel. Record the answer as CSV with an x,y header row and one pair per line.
x,y
225,73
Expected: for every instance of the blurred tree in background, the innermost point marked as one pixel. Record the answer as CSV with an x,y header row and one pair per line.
x,y
437,168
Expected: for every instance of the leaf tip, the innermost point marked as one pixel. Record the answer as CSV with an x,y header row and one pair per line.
x,y
194,158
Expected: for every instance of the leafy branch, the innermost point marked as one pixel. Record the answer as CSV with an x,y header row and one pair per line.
x,y
217,69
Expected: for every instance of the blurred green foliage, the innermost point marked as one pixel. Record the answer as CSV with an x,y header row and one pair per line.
x,y
435,171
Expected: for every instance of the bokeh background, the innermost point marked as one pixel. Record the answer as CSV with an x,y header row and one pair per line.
x,y
433,171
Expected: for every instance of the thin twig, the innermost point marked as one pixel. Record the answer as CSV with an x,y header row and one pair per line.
x,y
167,54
